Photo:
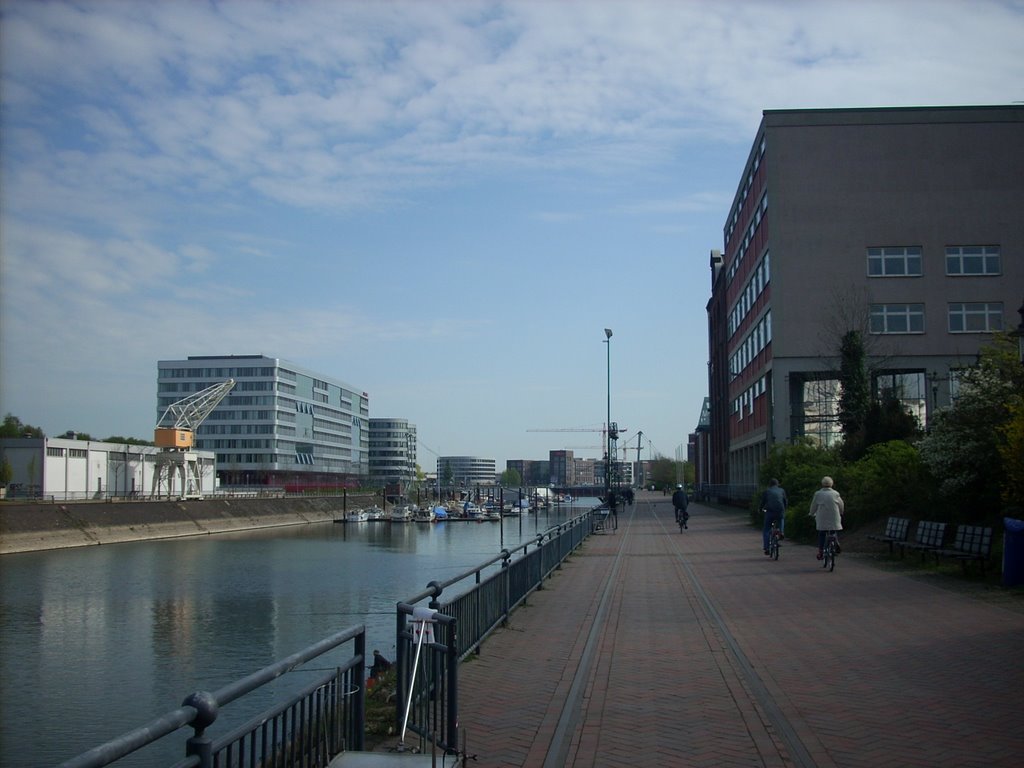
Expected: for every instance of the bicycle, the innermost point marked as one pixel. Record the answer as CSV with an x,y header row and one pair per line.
x,y
682,516
774,537
828,554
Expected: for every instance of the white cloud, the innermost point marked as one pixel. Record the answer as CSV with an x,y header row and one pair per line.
x,y
166,165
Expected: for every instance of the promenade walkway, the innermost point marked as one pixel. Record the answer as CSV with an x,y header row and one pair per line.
x,y
652,647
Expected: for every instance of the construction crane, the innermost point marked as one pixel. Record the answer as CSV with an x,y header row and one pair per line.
x,y
175,433
637,448
613,432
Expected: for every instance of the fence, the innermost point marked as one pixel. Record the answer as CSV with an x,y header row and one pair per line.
x,y
327,716
323,719
427,680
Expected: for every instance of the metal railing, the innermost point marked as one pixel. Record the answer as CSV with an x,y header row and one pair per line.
x,y
309,727
427,705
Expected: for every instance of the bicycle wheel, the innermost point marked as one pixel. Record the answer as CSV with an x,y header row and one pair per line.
x,y
773,548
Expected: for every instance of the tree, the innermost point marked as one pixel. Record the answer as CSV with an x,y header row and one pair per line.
x,y
966,448
855,397
12,427
1012,452
127,440
887,420
510,478
72,435
6,473
664,473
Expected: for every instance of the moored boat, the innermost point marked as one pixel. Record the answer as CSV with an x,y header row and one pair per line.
x,y
424,515
401,514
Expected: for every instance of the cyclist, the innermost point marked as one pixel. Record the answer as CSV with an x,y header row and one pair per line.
x,y
773,504
680,501
827,511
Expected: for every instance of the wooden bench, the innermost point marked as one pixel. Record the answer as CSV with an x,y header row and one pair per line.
x,y
928,537
896,530
971,542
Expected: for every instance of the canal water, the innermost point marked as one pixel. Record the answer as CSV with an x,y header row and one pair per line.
x,y
95,641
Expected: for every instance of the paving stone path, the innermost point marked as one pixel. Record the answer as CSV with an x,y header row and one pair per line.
x,y
652,647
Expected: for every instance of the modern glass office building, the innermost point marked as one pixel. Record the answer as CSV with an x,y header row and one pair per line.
x,y
281,425
392,452
466,471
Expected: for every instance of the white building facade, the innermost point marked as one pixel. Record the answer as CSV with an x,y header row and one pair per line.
x,y
63,469
282,425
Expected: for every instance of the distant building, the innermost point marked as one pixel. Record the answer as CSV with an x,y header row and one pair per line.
x,y
586,472
392,453
466,471
281,425
702,446
902,223
63,469
562,466
622,472
533,473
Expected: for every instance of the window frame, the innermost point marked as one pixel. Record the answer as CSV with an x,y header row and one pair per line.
x,y
895,254
992,310
893,311
986,253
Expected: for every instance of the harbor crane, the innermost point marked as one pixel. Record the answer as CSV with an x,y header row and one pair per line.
x,y
613,430
175,433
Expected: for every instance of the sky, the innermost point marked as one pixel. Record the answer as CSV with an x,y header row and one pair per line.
x,y
442,204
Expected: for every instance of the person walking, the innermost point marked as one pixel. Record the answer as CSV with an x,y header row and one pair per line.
x,y
827,511
680,501
773,504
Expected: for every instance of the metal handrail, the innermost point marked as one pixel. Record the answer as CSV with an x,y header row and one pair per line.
x,y
200,709
462,623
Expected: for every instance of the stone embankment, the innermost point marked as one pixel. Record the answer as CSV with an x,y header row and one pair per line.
x,y
28,527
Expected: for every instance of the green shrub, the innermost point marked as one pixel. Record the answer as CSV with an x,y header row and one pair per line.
x,y
887,480
799,468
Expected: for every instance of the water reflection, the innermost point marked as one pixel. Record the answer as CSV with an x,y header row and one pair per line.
x,y
99,640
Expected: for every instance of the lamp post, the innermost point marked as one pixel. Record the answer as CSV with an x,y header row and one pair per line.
x,y
608,423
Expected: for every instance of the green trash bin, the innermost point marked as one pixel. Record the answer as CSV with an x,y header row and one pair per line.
x,y
1013,552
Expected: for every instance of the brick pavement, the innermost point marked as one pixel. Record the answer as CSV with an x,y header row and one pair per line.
x,y
652,647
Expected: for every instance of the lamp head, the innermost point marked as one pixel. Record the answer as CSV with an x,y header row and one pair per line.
x,y
607,333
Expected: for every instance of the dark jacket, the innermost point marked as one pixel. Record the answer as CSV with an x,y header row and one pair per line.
x,y
680,500
774,501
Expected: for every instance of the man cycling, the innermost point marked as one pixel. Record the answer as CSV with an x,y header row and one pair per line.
x,y
680,501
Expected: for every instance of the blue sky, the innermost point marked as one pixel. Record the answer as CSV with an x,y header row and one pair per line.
x,y
440,203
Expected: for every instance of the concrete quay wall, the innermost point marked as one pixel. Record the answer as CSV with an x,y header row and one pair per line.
x,y
29,527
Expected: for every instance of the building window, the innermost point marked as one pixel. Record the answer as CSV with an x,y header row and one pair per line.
x,y
973,260
54,451
897,318
815,409
976,317
907,388
903,261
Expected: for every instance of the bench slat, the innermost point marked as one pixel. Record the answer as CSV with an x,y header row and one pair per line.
x,y
971,542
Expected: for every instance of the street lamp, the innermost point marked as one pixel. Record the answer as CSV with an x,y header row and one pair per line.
x,y
608,423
